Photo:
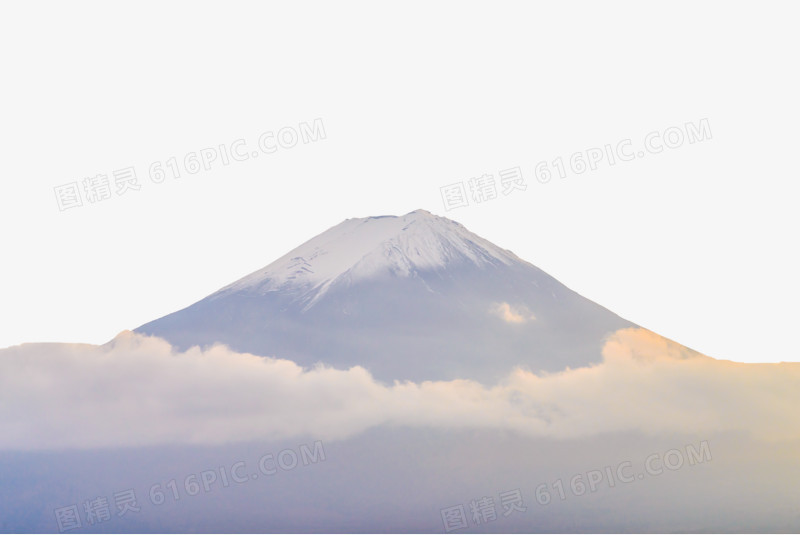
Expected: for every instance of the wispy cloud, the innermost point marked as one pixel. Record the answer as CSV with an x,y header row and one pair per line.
x,y
512,313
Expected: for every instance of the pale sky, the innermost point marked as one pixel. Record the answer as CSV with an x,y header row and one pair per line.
x,y
696,242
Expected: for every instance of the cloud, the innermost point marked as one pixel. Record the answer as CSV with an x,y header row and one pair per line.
x,y
512,314
137,390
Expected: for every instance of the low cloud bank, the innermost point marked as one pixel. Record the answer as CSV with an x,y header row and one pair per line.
x,y
137,390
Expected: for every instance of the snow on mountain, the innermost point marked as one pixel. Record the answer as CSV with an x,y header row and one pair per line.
x,y
415,297
364,248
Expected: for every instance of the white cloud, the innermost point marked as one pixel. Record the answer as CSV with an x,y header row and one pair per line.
x,y
512,314
138,390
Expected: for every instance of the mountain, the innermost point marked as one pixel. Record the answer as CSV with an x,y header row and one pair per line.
x,y
414,297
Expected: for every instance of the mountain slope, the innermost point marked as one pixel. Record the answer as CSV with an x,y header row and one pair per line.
x,y
414,297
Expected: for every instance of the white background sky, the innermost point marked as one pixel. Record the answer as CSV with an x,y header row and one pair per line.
x,y
697,243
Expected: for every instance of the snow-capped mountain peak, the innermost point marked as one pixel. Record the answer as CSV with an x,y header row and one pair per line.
x,y
363,248
414,297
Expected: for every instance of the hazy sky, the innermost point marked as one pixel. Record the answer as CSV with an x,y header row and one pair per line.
x,y
696,242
